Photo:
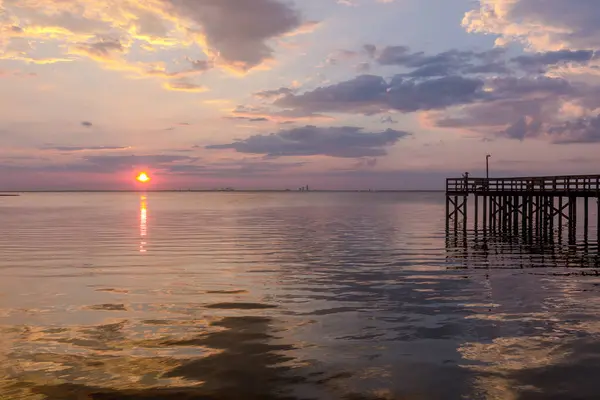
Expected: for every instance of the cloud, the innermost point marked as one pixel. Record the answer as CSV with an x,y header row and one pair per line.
x,y
436,81
366,162
468,62
388,120
542,25
196,67
183,85
281,116
481,91
101,50
249,119
371,94
390,55
451,62
173,165
523,127
176,125
85,148
518,87
538,61
237,31
363,67
345,142
87,124
370,49
17,74
528,108
580,130
237,35
493,117
115,163
365,93
104,164
201,65
235,168
270,94
35,60
341,55
510,98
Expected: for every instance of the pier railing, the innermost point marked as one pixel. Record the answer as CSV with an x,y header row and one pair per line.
x,y
578,185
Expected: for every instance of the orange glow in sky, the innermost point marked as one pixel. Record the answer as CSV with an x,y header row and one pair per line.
x,y
142,177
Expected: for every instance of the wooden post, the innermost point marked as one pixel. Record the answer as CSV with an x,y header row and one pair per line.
x,y
537,217
465,201
497,212
455,214
585,219
549,223
447,213
504,212
598,222
560,218
598,212
516,208
551,217
485,217
490,212
493,213
507,214
524,208
465,204
530,216
476,212
572,219
541,208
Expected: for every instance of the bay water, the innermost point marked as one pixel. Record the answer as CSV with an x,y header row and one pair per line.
x,y
274,295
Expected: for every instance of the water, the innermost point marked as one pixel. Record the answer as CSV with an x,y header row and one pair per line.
x,y
284,296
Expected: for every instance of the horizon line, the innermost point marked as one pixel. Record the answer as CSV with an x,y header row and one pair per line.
x,y
220,190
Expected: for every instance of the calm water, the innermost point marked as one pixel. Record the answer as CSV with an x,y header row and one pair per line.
x,y
284,296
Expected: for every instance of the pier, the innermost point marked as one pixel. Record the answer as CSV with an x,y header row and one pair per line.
x,y
544,208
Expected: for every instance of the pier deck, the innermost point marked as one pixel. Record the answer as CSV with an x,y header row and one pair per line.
x,y
575,185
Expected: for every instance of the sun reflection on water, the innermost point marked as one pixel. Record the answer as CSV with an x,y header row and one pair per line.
x,y
143,223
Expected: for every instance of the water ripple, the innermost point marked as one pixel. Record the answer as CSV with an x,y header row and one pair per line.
x,y
286,296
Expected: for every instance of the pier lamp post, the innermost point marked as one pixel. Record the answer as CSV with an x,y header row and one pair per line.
x,y
487,166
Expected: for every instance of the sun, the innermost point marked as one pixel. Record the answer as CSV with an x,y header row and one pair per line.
x,y
142,177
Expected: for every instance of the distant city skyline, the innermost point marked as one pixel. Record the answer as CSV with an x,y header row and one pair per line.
x,y
274,94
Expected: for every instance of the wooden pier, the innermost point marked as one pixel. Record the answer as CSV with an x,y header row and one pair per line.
x,y
535,208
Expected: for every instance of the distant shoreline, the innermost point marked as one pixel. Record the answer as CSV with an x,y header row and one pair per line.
x,y
16,192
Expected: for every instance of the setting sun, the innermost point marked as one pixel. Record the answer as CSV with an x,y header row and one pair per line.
x,y
142,177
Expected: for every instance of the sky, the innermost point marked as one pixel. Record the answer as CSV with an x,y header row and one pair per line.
x,y
276,94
